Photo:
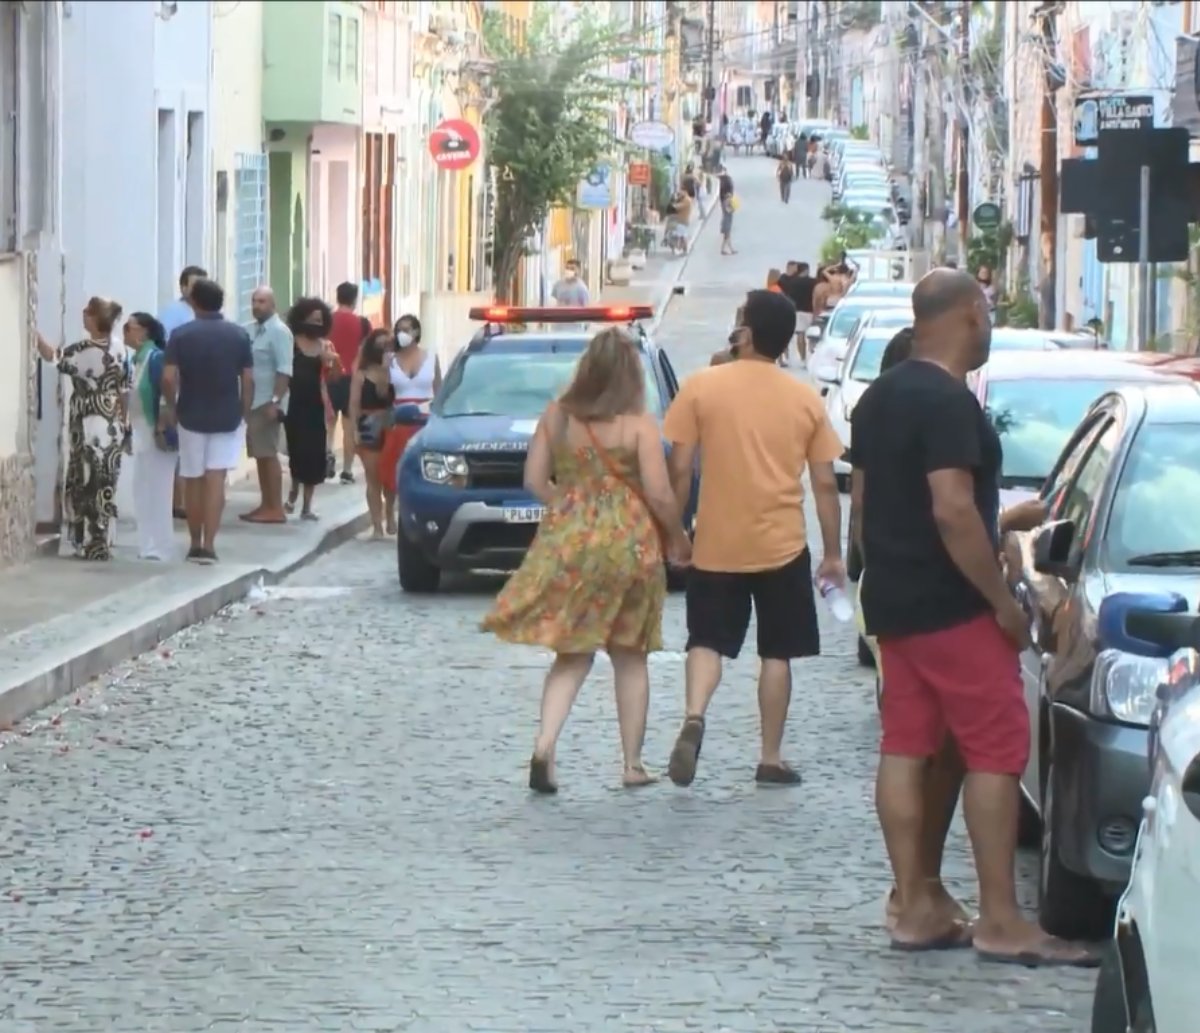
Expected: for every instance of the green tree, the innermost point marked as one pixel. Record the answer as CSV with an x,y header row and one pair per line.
x,y
549,126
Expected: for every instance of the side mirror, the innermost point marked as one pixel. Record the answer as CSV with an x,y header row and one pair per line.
x,y
1151,624
409,415
1053,549
813,334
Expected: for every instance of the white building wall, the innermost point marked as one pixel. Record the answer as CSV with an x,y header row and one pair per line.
x,y
136,197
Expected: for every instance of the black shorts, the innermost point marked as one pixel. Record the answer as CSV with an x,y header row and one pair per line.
x,y
718,610
339,395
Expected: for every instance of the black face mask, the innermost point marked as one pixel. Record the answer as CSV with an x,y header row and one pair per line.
x,y
311,330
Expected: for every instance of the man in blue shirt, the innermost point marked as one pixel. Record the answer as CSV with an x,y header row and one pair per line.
x,y
208,384
172,318
271,345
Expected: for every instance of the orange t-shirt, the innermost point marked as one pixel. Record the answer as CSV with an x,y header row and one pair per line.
x,y
757,428
775,288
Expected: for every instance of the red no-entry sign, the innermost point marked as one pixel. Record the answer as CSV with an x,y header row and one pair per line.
x,y
454,144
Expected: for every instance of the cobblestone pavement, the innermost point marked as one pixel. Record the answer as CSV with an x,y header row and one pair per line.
x,y
309,814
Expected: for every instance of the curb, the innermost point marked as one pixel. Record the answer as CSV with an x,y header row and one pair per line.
x,y
29,690
660,309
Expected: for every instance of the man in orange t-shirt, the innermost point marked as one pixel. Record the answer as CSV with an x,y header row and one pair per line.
x,y
348,332
755,429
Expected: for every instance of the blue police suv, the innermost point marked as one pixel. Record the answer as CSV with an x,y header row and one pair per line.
x,y
460,482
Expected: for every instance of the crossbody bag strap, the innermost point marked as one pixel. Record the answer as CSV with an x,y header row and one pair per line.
x,y
607,459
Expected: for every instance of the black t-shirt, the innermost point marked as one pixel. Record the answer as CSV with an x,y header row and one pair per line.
x,y
913,420
800,290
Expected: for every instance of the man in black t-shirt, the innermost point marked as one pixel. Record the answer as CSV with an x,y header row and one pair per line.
x,y
926,466
799,286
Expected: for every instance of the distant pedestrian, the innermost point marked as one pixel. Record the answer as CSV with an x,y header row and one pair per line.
x,y
208,379
755,429
155,446
729,205
571,291
926,466
416,374
800,287
983,277
175,315
271,347
594,578
785,173
347,334
372,397
96,421
309,321
690,183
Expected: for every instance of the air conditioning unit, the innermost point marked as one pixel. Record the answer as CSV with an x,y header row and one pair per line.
x,y
443,23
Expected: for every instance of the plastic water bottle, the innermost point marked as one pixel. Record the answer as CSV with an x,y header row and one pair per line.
x,y
836,599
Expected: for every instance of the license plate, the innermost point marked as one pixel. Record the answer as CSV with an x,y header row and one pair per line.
x,y
523,514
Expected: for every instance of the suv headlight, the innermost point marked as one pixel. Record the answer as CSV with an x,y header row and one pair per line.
x,y
1125,687
441,468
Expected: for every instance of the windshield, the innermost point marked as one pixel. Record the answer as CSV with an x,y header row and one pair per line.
x,y
518,384
842,324
1158,497
1034,419
869,357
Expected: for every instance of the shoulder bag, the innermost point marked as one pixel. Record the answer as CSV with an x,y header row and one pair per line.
x,y
632,485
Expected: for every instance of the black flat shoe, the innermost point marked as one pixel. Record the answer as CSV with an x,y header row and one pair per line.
x,y
776,775
681,768
539,776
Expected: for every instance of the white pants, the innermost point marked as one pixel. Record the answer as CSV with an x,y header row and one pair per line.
x,y
200,453
153,491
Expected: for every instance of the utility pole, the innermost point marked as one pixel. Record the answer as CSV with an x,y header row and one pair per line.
x,y
1047,289
920,164
936,127
963,176
710,91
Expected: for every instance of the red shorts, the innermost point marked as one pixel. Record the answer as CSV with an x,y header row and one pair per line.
x,y
965,680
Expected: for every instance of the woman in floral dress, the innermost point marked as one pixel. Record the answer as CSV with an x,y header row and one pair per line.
x,y
594,577
96,423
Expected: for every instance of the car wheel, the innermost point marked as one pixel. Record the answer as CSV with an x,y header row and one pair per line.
x,y
417,574
1069,905
1108,1002
865,657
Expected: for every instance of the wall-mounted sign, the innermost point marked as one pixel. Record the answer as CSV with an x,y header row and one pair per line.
x,y
1095,113
654,136
454,144
639,174
987,215
595,189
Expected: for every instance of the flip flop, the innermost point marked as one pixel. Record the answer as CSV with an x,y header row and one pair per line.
x,y
956,938
681,768
1035,959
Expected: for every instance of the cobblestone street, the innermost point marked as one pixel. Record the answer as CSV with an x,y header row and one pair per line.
x,y
310,814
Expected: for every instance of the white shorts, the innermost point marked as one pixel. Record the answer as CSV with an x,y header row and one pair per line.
x,y
803,321
199,453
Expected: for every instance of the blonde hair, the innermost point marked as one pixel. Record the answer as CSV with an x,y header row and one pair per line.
x,y
772,277
609,380
104,312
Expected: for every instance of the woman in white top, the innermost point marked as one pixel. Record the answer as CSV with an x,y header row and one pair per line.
x,y
416,377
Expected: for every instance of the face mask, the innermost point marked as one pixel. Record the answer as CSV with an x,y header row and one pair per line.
x,y
312,331
571,274
403,339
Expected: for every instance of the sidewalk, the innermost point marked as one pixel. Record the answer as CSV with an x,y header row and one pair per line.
x,y
64,621
655,284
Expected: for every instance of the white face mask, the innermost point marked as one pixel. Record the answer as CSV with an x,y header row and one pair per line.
x,y
570,274
403,339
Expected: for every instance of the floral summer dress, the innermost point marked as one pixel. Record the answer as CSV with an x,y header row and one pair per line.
x,y
594,575
99,378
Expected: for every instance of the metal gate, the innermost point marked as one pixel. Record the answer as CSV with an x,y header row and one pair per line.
x,y
250,229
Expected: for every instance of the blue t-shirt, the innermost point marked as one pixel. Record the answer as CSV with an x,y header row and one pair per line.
x,y
211,355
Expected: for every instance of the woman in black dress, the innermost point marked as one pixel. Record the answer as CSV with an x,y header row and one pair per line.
x,y
310,320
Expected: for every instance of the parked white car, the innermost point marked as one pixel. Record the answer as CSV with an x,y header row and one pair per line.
x,y
1148,984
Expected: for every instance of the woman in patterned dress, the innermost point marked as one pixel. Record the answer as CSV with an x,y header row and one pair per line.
x,y
594,577
96,424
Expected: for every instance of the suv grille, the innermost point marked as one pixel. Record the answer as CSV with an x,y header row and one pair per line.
x,y
496,470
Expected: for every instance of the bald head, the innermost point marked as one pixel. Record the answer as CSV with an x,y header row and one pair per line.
x,y
942,291
262,303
